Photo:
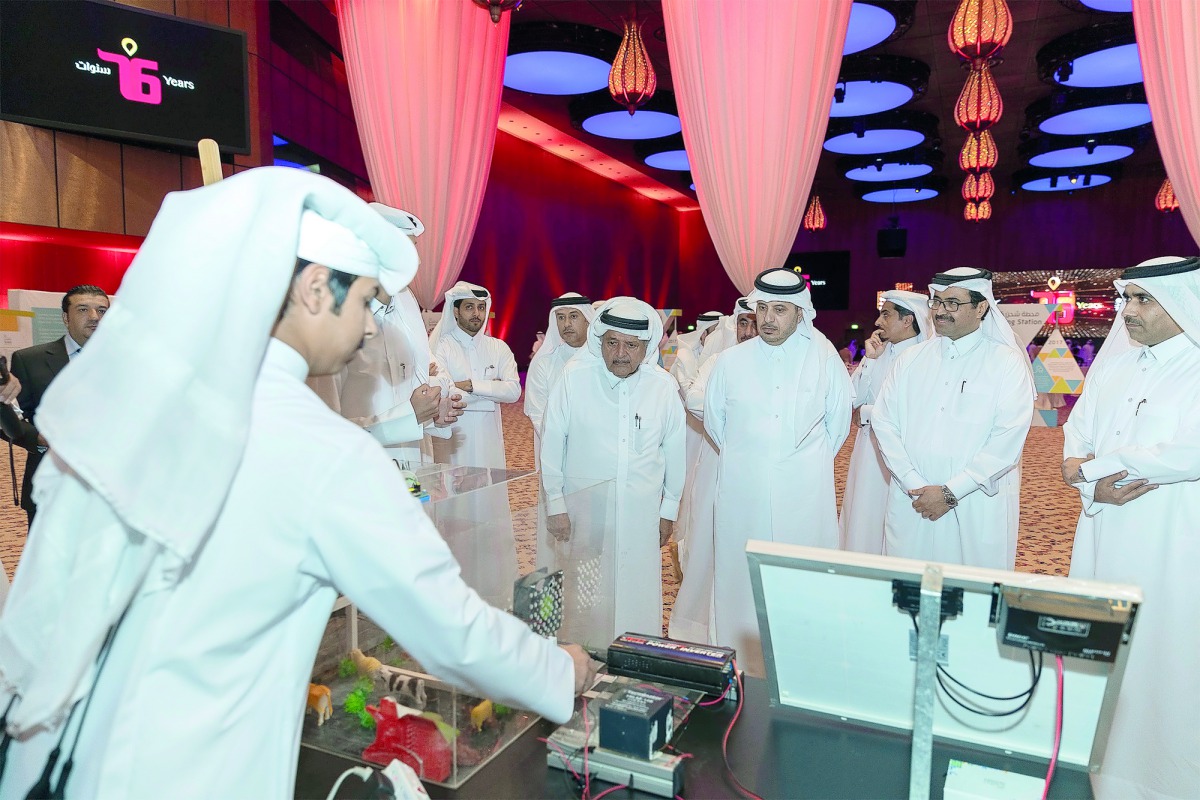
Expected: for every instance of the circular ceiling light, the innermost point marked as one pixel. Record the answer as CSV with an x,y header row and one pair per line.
x,y
880,133
1083,151
869,84
665,153
1117,6
1070,112
559,58
875,21
911,191
1036,179
596,113
891,167
1093,57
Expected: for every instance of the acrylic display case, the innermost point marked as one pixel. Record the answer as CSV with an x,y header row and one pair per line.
x,y
383,703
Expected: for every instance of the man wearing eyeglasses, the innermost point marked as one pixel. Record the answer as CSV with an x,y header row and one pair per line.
x,y
951,421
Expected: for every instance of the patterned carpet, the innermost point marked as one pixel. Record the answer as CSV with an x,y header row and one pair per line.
x,y
1048,507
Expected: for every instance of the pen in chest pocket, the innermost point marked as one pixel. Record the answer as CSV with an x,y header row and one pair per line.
x,y
637,421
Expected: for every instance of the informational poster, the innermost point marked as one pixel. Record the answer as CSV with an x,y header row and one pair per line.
x,y
1055,370
1025,319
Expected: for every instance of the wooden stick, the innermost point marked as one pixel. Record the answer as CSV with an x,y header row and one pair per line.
x,y
210,161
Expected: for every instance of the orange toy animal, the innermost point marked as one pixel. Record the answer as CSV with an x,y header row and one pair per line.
x,y
321,701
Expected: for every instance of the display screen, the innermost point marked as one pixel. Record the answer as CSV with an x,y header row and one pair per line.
x,y
828,273
97,67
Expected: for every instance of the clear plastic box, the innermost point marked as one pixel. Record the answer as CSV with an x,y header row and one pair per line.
x,y
494,522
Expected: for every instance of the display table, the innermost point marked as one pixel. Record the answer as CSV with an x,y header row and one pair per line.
x,y
777,753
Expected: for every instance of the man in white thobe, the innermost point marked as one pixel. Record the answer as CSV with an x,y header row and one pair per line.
x,y
903,321
616,415
778,408
1132,449
391,387
566,332
483,369
176,584
687,354
691,615
950,422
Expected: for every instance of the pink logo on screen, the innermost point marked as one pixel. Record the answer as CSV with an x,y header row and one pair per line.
x,y
137,85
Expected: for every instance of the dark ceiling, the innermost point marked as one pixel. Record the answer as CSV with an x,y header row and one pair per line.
x,y
1035,23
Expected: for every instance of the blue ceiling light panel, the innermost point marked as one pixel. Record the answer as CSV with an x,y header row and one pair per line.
x,y
880,133
876,21
1070,112
910,191
1117,6
664,153
1053,152
278,141
1035,179
890,167
870,84
1094,57
559,58
555,72
597,114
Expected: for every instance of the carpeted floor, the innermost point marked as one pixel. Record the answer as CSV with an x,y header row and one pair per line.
x,y
1048,507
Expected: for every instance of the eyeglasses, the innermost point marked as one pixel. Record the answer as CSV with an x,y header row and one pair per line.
x,y
949,305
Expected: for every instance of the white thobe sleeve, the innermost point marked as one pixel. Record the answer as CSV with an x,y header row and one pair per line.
x,y
398,425
838,403
694,399
860,381
537,390
446,383
674,450
1173,461
684,369
885,427
555,423
1009,427
382,551
1078,435
714,404
506,386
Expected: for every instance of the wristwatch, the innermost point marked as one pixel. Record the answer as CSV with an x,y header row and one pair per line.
x,y
948,496
1079,476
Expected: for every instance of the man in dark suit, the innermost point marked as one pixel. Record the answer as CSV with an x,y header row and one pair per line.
x,y
35,367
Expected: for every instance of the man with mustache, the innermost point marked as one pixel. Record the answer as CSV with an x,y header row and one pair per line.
x,y
1132,449
904,320
950,422
566,332
691,616
485,372
35,367
777,407
616,416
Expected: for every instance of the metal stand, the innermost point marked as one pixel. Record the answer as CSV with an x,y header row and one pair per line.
x,y
925,689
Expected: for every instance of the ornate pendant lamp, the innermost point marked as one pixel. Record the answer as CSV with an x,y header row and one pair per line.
x,y
979,153
814,215
497,7
980,29
979,105
1166,201
632,81
978,187
978,212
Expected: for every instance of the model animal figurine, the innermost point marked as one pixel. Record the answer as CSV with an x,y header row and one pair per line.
x,y
481,714
409,691
321,701
366,665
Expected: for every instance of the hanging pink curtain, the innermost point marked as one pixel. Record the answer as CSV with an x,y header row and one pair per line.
x,y
425,80
1168,36
754,82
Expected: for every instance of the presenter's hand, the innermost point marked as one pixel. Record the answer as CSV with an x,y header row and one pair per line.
x,y
1071,467
466,386
1108,492
873,347
929,502
433,370
585,667
559,526
425,401
665,528
9,390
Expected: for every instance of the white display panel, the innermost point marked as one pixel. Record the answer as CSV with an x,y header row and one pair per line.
x,y
836,644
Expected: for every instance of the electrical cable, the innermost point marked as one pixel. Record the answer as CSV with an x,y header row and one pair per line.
x,y
363,773
587,745
1058,726
725,740
724,694
610,791
563,755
